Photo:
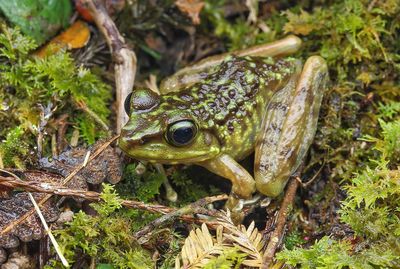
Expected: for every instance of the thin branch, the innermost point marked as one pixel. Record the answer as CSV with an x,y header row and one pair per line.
x,y
284,211
44,187
82,105
55,189
197,207
124,58
21,219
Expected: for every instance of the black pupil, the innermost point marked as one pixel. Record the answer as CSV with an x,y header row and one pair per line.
x,y
183,135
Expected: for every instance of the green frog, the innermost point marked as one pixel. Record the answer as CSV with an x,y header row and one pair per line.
x,y
217,112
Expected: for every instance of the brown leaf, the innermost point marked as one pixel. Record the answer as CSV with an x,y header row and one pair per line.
x,y
18,204
106,166
76,36
192,8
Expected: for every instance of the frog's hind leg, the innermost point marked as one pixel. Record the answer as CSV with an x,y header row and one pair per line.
x,y
197,72
289,127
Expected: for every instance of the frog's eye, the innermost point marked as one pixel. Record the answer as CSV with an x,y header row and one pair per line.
x,y
127,104
181,133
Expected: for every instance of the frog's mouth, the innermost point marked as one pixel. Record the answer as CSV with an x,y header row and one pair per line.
x,y
156,149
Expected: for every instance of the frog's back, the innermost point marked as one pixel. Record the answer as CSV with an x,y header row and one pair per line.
x,y
231,101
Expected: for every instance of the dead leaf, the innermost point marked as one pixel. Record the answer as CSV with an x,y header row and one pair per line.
x,y
83,11
112,7
76,36
192,8
18,203
106,166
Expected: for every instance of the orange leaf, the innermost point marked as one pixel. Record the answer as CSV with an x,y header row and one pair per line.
x,y
76,36
192,8
83,11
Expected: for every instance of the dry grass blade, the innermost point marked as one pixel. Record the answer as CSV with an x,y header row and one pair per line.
x,y
199,248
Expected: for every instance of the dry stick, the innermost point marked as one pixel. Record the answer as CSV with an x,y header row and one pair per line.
x,y
55,189
125,59
280,223
21,219
196,207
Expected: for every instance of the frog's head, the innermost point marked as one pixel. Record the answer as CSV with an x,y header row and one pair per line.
x,y
161,132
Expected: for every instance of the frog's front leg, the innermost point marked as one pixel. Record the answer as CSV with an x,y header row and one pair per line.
x,y
243,184
289,127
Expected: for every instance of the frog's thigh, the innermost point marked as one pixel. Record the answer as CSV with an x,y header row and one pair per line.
x,y
289,127
243,183
197,72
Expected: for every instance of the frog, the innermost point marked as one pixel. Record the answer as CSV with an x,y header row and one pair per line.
x,y
219,111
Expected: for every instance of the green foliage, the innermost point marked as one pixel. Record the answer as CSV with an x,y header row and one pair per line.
x,y
293,239
188,190
230,258
52,86
328,253
371,209
13,148
107,237
39,19
238,34
389,110
141,187
350,32
389,145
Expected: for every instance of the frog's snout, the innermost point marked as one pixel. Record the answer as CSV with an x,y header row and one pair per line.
x,y
128,139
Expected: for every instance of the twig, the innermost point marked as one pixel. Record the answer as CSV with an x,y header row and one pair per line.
x,y
83,106
309,182
21,219
371,5
125,59
196,207
280,223
55,189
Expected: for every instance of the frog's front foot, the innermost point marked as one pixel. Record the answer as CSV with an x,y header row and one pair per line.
x,y
237,206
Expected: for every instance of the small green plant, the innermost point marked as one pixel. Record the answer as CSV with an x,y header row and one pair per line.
x,y
107,237
35,92
371,209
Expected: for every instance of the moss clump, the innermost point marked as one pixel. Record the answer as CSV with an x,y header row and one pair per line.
x,y
35,92
106,237
371,210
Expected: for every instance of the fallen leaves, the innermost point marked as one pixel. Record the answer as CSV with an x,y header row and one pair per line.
x,y
106,167
18,203
192,8
76,36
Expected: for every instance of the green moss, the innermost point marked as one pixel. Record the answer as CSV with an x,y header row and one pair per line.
x,y
14,148
106,237
143,187
230,258
52,87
